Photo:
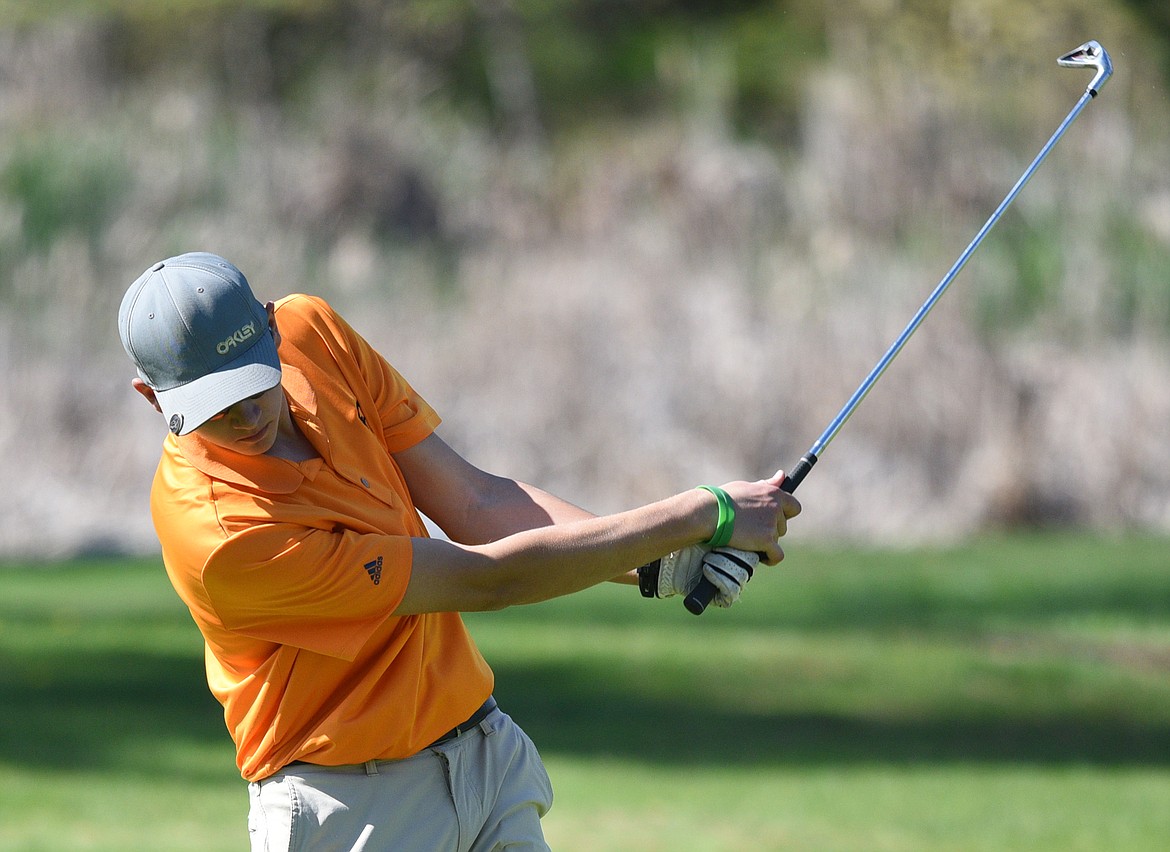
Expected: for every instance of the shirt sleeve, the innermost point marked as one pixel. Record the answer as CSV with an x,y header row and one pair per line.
x,y
322,591
400,413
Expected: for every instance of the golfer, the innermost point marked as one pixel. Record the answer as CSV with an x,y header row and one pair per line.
x,y
287,502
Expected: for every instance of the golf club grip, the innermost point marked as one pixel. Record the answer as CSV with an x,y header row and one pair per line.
x,y
702,595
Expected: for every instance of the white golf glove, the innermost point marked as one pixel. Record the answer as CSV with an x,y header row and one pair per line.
x,y
728,570
679,572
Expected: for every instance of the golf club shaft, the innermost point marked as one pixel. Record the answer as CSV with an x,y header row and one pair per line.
x,y
697,601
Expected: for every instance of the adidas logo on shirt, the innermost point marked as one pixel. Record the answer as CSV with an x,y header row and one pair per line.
x,y
374,569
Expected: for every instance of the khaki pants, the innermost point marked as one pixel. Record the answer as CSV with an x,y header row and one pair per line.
x,y
484,790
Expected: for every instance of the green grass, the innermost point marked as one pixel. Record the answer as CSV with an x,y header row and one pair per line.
x,y
1009,694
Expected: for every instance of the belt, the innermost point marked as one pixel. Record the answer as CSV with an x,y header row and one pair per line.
x,y
476,717
462,728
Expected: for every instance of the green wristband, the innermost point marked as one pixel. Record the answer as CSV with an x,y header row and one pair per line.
x,y
725,526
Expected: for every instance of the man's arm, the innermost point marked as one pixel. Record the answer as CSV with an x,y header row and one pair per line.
x,y
512,544
474,507
470,505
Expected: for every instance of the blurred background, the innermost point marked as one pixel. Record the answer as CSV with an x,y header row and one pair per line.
x,y
622,247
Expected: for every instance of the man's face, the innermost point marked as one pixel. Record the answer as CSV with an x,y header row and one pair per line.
x,y
249,427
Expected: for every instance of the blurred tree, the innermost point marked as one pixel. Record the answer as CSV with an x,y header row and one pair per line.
x,y
531,66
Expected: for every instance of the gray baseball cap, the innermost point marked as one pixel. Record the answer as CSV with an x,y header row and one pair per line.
x,y
198,337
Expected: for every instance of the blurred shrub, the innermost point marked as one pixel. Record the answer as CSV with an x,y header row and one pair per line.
x,y
61,185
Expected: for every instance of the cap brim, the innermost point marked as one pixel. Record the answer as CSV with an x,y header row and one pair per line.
x,y
189,406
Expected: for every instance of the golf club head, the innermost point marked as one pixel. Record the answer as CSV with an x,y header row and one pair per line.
x,y
1090,55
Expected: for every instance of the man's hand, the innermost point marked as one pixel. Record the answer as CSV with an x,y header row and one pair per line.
x,y
728,570
680,571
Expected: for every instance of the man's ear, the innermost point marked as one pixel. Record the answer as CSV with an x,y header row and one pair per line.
x,y
148,392
271,309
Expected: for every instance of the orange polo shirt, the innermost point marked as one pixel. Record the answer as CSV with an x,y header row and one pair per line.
x,y
292,570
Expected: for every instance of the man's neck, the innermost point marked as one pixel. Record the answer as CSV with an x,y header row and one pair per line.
x,y
291,444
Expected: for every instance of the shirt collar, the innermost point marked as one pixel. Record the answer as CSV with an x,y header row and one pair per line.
x,y
266,473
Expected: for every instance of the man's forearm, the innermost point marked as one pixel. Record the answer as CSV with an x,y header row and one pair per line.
x,y
560,512
555,509
550,560
507,507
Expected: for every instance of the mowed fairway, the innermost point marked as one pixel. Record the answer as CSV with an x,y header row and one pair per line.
x,y
1008,694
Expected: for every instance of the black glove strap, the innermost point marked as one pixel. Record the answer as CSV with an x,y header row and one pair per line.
x,y
648,579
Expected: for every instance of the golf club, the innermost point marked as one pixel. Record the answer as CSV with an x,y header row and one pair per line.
x,y
1088,55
